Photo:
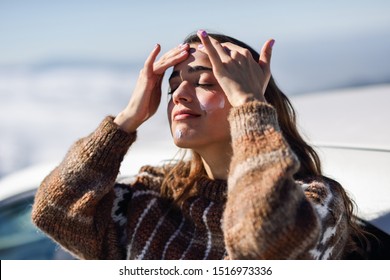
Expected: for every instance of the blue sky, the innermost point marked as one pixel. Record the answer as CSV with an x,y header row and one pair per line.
x,y
308,33
41,29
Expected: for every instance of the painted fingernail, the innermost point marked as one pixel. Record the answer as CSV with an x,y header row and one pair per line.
x,y
203,33
200,47
271,44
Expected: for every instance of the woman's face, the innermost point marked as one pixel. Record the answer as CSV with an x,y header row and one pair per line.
x,y
198,108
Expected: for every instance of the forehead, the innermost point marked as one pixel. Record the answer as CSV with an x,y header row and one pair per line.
x,y
196,58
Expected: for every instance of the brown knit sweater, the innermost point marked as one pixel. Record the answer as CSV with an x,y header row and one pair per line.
x,y
261,212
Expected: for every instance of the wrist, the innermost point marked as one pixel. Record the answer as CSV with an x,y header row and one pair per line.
x,y
126,123
246,98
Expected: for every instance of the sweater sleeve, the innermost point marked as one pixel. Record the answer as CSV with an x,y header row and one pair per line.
x,y
268,214
73,203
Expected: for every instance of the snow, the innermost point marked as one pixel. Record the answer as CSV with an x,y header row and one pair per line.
x,y
42,112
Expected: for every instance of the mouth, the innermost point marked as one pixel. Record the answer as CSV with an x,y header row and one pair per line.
x,y
184,115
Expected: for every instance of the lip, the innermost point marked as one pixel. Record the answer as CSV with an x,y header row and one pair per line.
x,y
184,114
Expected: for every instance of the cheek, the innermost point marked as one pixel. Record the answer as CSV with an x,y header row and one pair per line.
x,y
211,102
177,133
169,111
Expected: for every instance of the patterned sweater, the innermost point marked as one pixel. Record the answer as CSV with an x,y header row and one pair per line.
x,y
261,212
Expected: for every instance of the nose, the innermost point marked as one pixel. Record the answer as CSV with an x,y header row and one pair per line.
x,y
183,94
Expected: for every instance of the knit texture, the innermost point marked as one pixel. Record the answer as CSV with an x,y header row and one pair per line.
x,y
261,212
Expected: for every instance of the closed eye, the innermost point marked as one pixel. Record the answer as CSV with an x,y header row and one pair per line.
x,y
171,90
207,86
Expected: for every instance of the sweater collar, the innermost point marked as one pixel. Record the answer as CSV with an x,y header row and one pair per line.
x,y
215,190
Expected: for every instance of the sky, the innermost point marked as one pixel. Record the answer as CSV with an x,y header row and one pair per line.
x,y
44,29
314,39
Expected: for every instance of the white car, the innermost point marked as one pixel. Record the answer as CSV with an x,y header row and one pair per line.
x,y
351,132
349,128
20,239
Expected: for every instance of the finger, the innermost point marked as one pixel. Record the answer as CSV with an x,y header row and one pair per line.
x,y
265,55
148,66
171,58
237,53
175,52
232,48
212,48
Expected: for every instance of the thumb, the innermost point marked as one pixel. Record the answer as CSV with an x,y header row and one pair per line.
x,y
265,55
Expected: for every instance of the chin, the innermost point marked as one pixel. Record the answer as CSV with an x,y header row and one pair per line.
x,y
181,144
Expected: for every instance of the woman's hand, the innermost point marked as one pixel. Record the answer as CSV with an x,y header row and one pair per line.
x,y
146,96
241,77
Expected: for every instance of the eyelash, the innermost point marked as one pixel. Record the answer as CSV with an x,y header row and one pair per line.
x,y
207,86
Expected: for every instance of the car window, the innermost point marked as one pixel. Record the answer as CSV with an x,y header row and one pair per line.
x,y
20,239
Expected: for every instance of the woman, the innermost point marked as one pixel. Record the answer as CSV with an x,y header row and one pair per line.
x,y
253,188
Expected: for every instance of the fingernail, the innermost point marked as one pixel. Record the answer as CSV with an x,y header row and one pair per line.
x,y
200,46
203,33
271,44
182,46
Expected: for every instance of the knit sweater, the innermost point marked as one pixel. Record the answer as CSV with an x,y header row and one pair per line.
x,y
260,212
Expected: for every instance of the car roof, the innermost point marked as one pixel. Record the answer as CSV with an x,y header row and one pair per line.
x,y
29,178
23,180
351,117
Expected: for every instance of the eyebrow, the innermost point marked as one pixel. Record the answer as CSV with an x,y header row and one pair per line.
x,y
191,69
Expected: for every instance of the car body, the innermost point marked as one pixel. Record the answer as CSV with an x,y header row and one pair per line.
x,y
348,128
20,239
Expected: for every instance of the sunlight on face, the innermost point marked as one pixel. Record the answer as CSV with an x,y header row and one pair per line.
x,y
198,109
